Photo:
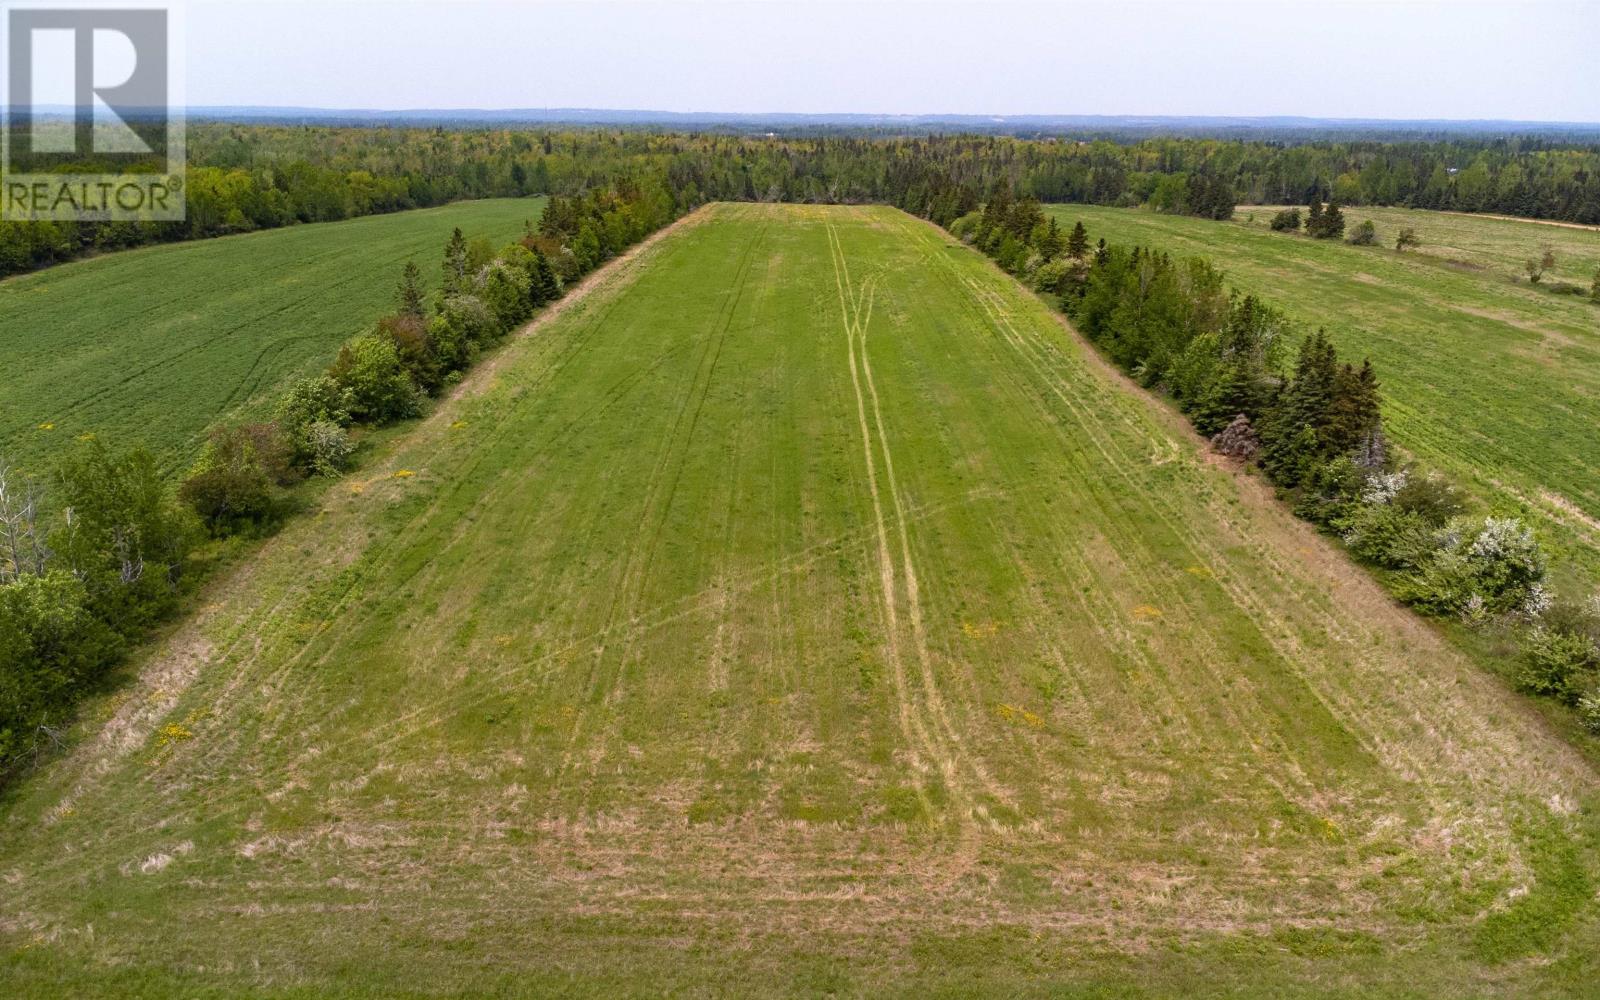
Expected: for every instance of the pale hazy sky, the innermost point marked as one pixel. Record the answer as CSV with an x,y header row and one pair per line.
x,y
1531,60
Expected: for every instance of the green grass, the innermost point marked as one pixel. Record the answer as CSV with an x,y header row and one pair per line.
x,y
802,611
156,344
1496,382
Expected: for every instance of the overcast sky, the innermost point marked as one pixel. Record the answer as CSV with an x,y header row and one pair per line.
x,y
1325,59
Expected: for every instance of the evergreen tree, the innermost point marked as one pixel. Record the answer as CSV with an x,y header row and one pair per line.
x,y
455,263
1078,242
544,286
1300,413
995,213
1051,242
410,290
1314,218
1352,409
1332,222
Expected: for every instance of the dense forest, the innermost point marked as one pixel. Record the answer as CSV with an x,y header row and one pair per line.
x,y
246,177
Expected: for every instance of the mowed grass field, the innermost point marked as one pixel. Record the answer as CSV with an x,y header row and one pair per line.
x,y
802,611
1495,382
155,345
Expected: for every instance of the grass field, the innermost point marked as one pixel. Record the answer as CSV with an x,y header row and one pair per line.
x,y
802,611
1497,383
156,344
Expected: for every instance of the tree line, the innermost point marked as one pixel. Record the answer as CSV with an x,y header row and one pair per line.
x,y
104,547
1314,427
248,177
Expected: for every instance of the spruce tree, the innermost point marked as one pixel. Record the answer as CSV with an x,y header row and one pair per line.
x,y
455,263
410,290
545,286
1078,242
1314,218
1051,243
1299,418
1332,222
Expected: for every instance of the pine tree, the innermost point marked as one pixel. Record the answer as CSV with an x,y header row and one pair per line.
x,y
455,263
1078,242
410,290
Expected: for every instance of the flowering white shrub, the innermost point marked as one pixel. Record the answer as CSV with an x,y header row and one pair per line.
x,y
1382,489
1589,709
1538,601
1504,538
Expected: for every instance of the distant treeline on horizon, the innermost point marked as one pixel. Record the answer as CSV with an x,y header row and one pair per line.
x,y
244,177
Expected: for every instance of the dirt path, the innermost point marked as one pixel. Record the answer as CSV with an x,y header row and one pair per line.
x,y
1518,218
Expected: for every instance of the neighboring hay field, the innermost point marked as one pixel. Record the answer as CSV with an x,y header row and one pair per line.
x,y
1494,381
154,345
802,611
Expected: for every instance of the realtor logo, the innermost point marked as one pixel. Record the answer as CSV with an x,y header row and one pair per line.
x,y
92,130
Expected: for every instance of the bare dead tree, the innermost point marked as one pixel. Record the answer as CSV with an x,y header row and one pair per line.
x,y
130,559
22,549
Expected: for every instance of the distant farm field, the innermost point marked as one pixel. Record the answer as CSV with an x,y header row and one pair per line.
x,y
803,611
1495,381
154,345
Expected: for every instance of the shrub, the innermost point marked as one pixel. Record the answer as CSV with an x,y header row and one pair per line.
x,y
380,389
235,482
50,644
409,332
1237,440
1556,663
1050,277
310,401
1287,220
1407,239
127,539
328,448
1331,494
1494,567
965,227
1431,496
1506,561
504,288
1364,235
463,326
1385,535
1589,708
